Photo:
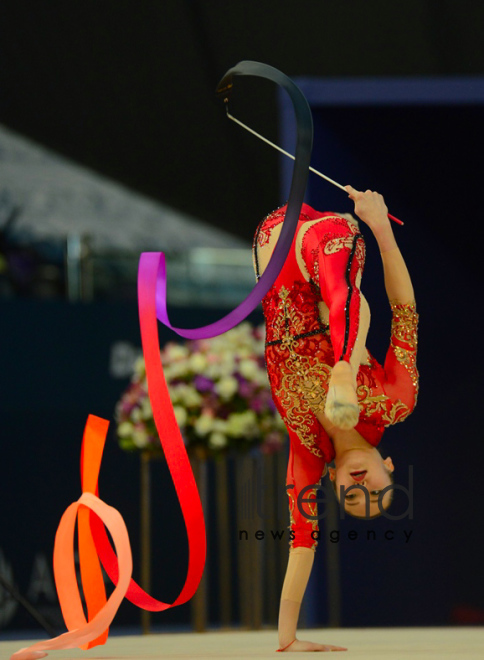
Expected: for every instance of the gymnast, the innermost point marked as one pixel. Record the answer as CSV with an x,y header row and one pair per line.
x,y
332,394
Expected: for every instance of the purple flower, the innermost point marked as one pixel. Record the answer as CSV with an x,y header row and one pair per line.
x,y
203,384
245,388
256,404
127,407
271,404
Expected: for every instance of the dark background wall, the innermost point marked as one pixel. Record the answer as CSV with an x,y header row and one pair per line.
x,y
127,88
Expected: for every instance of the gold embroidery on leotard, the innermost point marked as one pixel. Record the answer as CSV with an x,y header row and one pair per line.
x,y
378,404
333,246
292,318
263,236
370,404
302,391
405,322
397,413
313,511
302,385
336,244
404,329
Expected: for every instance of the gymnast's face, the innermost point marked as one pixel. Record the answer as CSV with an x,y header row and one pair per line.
x,y
364,469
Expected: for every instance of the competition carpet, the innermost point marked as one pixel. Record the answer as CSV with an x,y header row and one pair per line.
x,y
365,644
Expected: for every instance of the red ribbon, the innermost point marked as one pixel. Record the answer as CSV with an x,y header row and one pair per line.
x,y
93,515
174,450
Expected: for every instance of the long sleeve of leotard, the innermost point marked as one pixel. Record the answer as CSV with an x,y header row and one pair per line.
x,y
333,251
401,375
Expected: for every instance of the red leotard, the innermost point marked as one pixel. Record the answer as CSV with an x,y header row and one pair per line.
x,y
301,348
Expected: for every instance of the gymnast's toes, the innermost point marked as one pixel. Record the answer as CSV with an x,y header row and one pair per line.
x,y
342,402
342,413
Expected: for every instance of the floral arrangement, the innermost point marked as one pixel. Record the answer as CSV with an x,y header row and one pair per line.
x,y
220,394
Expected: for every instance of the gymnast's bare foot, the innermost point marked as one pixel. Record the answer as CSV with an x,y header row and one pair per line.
x,y
342,402
300,645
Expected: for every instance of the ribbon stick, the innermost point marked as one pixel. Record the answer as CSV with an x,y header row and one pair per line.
x,y
286,153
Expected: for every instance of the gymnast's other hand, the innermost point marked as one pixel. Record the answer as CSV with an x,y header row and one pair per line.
x,y
299,645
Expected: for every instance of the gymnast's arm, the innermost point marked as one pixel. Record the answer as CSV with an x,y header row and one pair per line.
x,y
370,207
401,375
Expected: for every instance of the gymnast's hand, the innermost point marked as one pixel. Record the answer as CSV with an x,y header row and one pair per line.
x,y
371,208
298,645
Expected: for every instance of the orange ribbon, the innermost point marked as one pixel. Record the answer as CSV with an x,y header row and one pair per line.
x,y
86,633
93,515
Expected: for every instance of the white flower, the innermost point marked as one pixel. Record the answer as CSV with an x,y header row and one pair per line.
x,y
245,352
242,424
248,369
227,387
181,415
140,438
217,440
136,415
212,371
227,358
220,425
139,367
175,351
235,425
221,369
174,391
176,369
198,363
259,346
261,378
185,394
125,429
146,411
189,396
203,424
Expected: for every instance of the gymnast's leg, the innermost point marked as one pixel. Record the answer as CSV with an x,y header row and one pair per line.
x,y
340,269
341,401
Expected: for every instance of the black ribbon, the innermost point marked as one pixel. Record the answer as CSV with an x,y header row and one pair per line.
x,y
296,196
300,173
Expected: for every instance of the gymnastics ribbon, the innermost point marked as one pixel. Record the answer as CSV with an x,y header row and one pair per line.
x,y
85,634
152,282
304,145
92,513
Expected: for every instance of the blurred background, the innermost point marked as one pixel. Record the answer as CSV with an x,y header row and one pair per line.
x,y
112,142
